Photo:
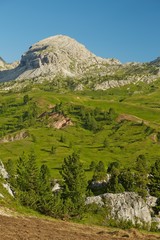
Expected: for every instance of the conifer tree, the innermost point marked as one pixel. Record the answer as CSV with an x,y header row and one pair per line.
x,y
100,172
141,176
45,202
74,189
114,186
27,180
154,178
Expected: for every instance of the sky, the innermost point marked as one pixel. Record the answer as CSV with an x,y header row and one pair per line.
x,y
124,29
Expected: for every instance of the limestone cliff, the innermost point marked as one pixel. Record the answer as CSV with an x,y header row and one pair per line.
x,y
127,206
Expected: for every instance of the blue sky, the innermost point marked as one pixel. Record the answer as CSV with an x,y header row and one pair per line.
x,y
124,29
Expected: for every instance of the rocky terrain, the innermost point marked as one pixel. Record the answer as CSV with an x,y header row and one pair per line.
x,y
63,57
127,206
58,55
7,66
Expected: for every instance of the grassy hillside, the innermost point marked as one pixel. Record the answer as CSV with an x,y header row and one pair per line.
x,y
125,139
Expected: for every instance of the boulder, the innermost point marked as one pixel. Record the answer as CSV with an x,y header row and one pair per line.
x,y
127,206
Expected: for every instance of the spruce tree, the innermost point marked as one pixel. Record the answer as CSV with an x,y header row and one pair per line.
x,y
45,196
126,178
74,189
27,180
154,177
141,176
100,172
114,186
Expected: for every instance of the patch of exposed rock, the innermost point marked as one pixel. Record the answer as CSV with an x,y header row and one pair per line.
x,y
119,83
4,175
56,120
3,172
127,206
15,137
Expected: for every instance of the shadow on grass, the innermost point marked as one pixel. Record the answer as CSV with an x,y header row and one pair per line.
x,y
57,168
45,150
95,147
64,146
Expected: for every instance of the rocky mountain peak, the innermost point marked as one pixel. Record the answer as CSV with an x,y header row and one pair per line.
x,y
59,55
56,56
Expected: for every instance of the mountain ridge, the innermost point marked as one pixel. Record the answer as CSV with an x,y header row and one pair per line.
x,y
61,56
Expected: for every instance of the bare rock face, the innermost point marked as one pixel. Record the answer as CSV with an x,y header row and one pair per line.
x,y
4,175
127,206
15,137
61,57
57,55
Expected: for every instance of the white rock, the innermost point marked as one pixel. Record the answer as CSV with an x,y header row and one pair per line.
x,y
3,172
96,199
56,187
124,206
8,188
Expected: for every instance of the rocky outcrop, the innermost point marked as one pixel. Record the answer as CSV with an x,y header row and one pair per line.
x,y
127,206
15,137
56,120
3,172
4,175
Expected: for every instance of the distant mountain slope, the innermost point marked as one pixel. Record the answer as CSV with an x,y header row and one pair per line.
x,y
61,56
7,66
58,55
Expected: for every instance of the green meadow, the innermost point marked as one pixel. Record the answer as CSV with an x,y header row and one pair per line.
x,y
125,140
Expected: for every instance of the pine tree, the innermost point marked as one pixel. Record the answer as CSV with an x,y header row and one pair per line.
x,y
154,178
100,172
126,178
27,180
114,186
74,189
45,201
141,176
92,166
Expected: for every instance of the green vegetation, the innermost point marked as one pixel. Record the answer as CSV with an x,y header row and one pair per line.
x,y
115,132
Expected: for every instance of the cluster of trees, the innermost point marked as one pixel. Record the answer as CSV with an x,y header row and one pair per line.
x,y
92,119
33,185
139,178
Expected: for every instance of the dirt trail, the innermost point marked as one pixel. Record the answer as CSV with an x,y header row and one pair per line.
x,y
19,228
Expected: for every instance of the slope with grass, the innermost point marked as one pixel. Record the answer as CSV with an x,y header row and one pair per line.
x,y
127,138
